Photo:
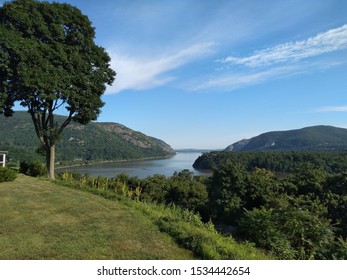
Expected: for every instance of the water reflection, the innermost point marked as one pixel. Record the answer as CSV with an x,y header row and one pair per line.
x,y
142,168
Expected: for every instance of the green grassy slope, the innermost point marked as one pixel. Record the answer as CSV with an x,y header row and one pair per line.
x,y
41,220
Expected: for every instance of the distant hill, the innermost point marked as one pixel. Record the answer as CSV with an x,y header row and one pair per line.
x,y
94,142
284,151
314,138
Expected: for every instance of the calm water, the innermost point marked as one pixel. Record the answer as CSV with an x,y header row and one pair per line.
x,y
142,168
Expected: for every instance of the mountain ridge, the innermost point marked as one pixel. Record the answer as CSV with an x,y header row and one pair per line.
x,y
312,138
94,142
284,151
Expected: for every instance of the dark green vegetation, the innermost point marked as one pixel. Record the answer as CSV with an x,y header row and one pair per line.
x,y
283,151
299,213
7,174
34,169
42,220
301,216
315,138
80,143
276,161
49,61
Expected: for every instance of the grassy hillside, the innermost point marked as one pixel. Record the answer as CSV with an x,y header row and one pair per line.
x,y
41,220
80,143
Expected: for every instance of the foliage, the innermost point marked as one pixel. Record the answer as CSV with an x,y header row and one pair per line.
x,y
276,161
296,229
184,226
260,226
227,188
232,189
314,138
49,60
80,143
300,216
34,169
7,174
186,192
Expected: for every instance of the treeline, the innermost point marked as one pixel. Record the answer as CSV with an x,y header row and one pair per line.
x,y
95,150
93,142
301,216
275,161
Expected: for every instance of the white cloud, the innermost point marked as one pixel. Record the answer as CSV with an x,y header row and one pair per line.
x,y
332,109
138,73
278,62
232,81
330,41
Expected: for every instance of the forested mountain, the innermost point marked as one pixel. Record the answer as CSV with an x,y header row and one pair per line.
x,y
284,151
93,142
314,138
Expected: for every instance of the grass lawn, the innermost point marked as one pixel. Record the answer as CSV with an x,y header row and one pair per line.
x,y
41,220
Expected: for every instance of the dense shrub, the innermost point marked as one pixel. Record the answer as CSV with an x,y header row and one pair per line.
x,y
34,169
7,174
23,167
301,216
297,228
186,192
155,188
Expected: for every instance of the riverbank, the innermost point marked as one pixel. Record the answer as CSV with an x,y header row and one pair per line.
x,y
141,168
91,163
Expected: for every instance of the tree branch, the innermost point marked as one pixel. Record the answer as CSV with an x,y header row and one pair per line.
x,y
66,122
37,126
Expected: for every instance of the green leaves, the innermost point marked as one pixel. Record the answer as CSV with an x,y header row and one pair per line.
x,y
48,58
50,54
300,216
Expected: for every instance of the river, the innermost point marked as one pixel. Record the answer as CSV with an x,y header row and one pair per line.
x,y
141,168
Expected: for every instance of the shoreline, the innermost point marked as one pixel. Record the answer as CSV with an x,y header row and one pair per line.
x,y
112,161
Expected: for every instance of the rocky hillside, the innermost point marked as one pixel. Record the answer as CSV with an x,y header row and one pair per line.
x,y
314,138
80,143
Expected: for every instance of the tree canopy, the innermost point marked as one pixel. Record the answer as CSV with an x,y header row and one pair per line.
x,y
48,61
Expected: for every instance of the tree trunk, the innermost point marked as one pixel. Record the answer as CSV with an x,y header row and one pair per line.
x,y
50,158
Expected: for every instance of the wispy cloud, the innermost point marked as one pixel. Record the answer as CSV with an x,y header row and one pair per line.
x,y
138,73
330,41
331,109
277,62
232,81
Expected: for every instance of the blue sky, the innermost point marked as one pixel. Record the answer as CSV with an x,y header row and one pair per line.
x,y
206,73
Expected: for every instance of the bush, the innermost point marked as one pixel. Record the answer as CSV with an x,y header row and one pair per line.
x,y
7,174
34,169
23,167
297,228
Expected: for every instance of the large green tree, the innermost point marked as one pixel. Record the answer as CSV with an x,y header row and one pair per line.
x,y
49,61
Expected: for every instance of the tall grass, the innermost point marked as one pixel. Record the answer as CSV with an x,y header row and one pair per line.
x,y
41,220
184,226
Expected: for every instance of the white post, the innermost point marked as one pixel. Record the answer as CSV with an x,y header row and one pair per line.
x,y
4,160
